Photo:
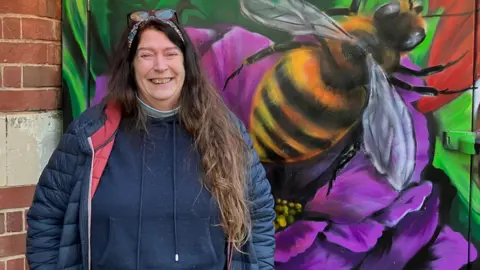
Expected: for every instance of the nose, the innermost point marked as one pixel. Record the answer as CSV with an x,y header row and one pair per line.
x,y
160,64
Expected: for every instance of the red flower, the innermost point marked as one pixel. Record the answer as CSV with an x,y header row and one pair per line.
x,y
454,37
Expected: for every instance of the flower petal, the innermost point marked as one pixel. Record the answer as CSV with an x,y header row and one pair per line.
x,y
450,250
101,86
453,43
411,234
323,255
359,237
409,201
357,193
203,38
200,35
296,238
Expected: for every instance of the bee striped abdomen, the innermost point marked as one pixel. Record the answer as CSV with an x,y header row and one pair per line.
x,y
294,117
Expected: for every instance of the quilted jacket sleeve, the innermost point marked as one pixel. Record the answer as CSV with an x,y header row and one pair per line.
x,y
50,201
263,213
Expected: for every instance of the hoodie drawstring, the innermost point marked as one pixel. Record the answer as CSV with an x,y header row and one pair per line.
x,y
140,218
175,191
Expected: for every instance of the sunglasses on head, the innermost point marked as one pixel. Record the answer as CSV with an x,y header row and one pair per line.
x,y
135,19
162,14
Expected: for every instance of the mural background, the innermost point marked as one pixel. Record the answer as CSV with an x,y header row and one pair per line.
x,y
363,223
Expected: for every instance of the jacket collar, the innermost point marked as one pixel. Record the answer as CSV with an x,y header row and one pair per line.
x,y
98,123
113,117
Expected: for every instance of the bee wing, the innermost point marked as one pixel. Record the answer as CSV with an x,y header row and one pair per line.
x,y
296,17
388,130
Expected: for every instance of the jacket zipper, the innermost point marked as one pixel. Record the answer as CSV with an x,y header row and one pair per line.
x,y
89,208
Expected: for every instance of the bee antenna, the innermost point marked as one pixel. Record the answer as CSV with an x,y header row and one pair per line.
x,y
451,15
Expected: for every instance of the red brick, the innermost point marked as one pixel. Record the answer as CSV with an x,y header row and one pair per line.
x,y
41,76
25,224
11,28
16,197
15,221
58,10
29,53
54,54
20,7
29,100
12,245
2,223
51,8
43,8
57,31
16,264
3,266
12,77
38,29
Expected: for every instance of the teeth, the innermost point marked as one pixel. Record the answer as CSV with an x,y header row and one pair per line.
x,y
161,81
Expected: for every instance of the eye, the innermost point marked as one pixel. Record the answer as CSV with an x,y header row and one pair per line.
x,y
146,55
417,7
389,10
172,54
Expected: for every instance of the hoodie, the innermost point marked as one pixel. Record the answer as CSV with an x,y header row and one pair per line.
x,y
150,210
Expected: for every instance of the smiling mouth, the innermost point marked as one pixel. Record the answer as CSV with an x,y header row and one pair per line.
x,y
161,81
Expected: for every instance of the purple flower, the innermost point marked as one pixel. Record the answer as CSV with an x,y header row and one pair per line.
x,y
363,222
101,86
362,207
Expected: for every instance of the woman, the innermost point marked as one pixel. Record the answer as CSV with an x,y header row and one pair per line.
x,y
159,176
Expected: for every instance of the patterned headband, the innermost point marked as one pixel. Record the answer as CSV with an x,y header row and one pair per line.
x,y
134,30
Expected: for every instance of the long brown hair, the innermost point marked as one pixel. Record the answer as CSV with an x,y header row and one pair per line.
x,y
203,113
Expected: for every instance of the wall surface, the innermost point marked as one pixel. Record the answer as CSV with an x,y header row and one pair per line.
x,y
30,122
404,201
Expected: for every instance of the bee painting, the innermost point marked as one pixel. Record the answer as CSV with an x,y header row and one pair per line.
x,y
338,83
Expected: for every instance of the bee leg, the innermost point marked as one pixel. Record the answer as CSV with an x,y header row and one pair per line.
x,y
352,10
275,48
345,157
429,70
428,90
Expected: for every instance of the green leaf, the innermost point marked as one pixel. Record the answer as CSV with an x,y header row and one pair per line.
x,y
74,54
459,220
100,37
456,115
75,83
76,17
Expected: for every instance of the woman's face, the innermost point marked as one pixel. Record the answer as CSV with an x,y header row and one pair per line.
x,y
159,70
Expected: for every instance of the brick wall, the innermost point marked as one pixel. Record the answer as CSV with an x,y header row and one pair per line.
x,y
30,119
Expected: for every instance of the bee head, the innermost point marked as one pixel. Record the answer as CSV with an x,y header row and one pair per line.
x,y
400,25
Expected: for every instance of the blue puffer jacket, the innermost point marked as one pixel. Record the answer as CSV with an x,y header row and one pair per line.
x,y
58,234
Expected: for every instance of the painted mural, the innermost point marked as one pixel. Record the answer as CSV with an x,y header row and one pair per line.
x,y
347,102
